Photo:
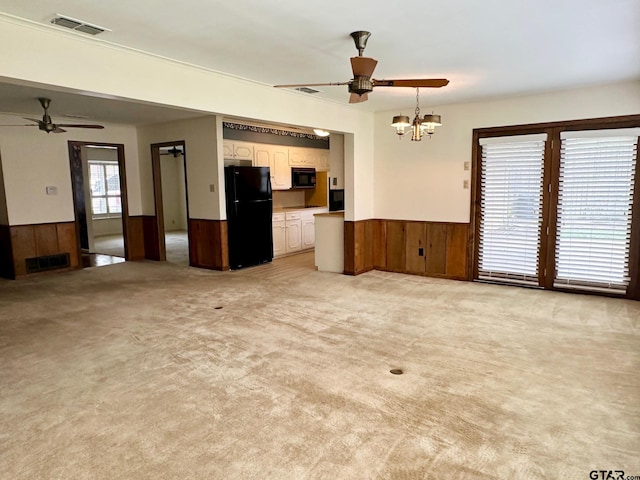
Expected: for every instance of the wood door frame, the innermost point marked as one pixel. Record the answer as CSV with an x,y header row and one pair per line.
x,y
157,195
122,173
546,256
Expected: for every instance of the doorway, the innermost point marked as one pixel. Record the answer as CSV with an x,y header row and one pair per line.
x,y
100,201
171,200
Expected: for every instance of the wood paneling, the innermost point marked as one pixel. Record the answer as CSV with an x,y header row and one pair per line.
x,y
68,242
46,238
151,238
30,241
396,248
379,244
456,250
208,244
415,247
394,245
135,238
6,254
436,249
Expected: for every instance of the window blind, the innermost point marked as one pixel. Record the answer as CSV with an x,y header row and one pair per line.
x,y
511,213
597,171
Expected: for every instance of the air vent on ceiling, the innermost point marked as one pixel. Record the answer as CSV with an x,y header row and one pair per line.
x,y
307,90
77,25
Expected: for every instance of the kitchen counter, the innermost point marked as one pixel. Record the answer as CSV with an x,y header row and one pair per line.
x,y
289,209
329,250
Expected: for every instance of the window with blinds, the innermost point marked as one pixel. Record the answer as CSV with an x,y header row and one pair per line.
x,y
595,200
511,208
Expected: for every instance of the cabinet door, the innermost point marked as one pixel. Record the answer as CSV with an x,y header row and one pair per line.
x,y
243,151
296,157
280,169
279,245
322,160
293,236
227,148
308,234
262,157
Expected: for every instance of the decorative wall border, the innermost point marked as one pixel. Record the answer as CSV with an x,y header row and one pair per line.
x,y
272,131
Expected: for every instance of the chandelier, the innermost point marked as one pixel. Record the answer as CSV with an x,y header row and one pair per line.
x,y
420,126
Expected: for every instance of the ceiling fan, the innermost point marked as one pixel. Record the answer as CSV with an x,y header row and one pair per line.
x,y
47,125
362,83
175,151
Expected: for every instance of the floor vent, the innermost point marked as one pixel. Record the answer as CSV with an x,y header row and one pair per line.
x,y
78,25
49,262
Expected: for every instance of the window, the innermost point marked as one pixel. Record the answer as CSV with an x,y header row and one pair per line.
x,y
104,177
595,201
556,205
511,176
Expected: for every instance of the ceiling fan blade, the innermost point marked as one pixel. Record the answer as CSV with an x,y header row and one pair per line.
x,y
425,82
363,66
311,85
58,130
355,98
33,120
76,125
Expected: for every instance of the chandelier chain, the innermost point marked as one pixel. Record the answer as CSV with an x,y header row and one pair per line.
x,y
417,102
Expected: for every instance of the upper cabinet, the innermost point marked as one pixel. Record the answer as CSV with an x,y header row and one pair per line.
x,y
276,158
238,150
317,158
279,158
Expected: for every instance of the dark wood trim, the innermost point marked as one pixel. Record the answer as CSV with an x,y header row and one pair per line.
x,y
550,199
135,234
633,291
624,121
358,246
157,232
124,199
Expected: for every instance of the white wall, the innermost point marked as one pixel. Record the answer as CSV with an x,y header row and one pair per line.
x,y
288,198
32,160
202,170
151,79
336,161
174,200
424,180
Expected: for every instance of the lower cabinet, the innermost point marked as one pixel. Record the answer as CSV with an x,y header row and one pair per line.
x,y
294,230
278,227
308,230
293,235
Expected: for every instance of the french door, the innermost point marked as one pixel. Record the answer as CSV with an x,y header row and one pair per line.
x,y
557,207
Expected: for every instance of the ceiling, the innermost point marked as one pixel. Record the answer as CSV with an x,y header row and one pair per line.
x,y
493,48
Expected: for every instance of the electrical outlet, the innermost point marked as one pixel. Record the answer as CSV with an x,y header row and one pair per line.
x,y
465,184
335,181
421,252
466,165
212,188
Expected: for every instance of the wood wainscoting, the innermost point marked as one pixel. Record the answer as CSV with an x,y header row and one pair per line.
x,y
208,244
435,249
20,242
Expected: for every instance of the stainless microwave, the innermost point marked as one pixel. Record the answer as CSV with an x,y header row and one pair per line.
x,y
303,177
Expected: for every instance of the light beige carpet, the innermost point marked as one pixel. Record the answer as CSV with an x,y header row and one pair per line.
x,y
132,371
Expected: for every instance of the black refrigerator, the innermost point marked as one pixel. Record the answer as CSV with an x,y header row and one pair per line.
x,y
249,210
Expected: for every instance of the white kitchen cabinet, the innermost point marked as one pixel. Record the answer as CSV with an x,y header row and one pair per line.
x,y
322,160
293,234
237,150
308,233
278,226
276,158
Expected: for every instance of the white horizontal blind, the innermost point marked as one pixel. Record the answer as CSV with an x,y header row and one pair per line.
x,y
511,213
594,211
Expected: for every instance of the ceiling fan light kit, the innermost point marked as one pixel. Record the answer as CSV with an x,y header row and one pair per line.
x,y
321,133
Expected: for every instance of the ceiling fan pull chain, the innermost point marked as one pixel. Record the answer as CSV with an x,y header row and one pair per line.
x,y
417,102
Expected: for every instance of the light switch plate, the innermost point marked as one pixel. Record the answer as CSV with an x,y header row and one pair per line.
x,y
466,165
465,184
212,187
52,190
